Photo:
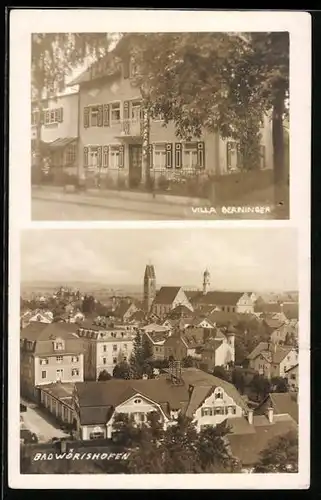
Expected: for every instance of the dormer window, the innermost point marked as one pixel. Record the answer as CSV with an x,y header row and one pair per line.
x,y
59,345
137,401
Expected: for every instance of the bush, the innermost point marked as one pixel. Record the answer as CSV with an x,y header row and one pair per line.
x,y
163,183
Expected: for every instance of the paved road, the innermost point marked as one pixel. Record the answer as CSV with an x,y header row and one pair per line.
x,y
67,208
36,421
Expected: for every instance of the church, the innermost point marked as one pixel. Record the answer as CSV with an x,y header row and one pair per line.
x,y
161,302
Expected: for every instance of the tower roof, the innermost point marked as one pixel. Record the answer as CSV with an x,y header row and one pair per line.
x,y
150,272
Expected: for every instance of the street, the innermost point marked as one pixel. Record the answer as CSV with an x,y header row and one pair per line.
x,y
42,425
85,207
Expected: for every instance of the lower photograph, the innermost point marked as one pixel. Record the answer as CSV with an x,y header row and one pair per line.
x,y
159,351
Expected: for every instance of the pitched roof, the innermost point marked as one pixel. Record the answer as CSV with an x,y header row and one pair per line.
x,y
248,446
291,310
285,403
196,377
36,331
199,394
167,294
178,310
275,353
219,298
137,316
111,393
122,308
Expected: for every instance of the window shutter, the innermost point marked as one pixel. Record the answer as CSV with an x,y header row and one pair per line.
x,y
201,154
239,159
99,155
106,115
263,157
121,156
61,115
178,155
100,116
85,157
126,110
169,155
86,117
105,156
151,156
228,155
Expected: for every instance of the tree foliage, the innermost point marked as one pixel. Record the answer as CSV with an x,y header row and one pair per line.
x,y
122,370
281,455
261,386
104,375
221,372
279,384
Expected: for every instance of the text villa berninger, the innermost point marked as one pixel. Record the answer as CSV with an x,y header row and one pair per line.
x,y
232,210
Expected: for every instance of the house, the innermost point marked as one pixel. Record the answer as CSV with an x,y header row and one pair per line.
x,y
41,315
248,437
59,130
106,345
272,360
219,350
282,403
157,339
125,310
49,353
110,130
292,376
57,399
206,399
168,298
286,334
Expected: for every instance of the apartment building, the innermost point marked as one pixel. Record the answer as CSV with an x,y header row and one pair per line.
x,y
49,353
105,346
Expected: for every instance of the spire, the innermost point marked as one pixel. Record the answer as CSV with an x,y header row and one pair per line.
x,y
206,281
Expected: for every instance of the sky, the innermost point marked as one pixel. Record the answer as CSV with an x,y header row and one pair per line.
x,y
237,258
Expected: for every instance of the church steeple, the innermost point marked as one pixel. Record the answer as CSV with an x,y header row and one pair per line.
x,y
206,281
149,287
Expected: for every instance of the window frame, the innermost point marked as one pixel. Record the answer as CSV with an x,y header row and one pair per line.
x,y
111,120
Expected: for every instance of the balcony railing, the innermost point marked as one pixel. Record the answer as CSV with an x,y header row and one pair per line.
x,y
131,127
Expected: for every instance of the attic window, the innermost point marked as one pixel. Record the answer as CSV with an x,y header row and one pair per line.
x,y
137,401
219,394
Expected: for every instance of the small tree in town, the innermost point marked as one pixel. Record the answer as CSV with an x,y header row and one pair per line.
x,y
104,375
238,380
281,455
187,362
261,386
122,370
221,372
279,384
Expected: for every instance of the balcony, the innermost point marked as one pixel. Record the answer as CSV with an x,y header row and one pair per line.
x,y
131,129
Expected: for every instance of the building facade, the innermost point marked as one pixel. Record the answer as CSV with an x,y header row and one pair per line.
x,y
59,130
105,347
110,132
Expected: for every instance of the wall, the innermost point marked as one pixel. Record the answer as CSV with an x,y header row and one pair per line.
x,y
69,125
53,365
211,402
245,305
290,360
260,365
57,408
105,351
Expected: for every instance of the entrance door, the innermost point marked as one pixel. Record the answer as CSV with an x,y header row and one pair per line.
x,y
135,164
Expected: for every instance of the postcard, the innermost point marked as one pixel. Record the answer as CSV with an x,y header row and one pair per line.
x,y
159,258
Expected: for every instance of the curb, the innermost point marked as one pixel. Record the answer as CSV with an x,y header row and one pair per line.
x,y
129,195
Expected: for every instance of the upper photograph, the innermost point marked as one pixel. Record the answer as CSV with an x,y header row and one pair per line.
x,y
160,126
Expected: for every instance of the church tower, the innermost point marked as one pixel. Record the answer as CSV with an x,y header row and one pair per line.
x,y
206,281
149,287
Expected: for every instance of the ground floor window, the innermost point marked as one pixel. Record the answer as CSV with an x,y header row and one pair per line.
x,y
70,154
190,157
159,157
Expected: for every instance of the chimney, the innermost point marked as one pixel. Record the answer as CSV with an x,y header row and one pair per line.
x,y
250,417
270,414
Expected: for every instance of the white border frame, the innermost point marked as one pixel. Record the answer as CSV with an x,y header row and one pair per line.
x,y
25,21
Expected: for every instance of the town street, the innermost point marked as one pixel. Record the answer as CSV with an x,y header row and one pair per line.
x,y
43,426
80,206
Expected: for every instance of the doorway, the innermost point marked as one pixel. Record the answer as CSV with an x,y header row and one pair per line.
x,y
135,165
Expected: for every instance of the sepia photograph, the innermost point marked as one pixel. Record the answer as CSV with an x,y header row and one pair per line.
x,y
157,126
159,361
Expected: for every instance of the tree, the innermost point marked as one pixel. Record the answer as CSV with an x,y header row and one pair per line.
x,y
224,82
281,454
141,358
89,304
238,380
104,375
261,386
220,372
279,384
122,370
53,57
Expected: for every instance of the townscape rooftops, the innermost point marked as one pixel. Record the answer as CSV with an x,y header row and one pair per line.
x,y
284,403
154,327
179,310
166,294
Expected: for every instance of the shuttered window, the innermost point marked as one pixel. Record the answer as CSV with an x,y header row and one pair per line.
x,y
178,155
169,155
